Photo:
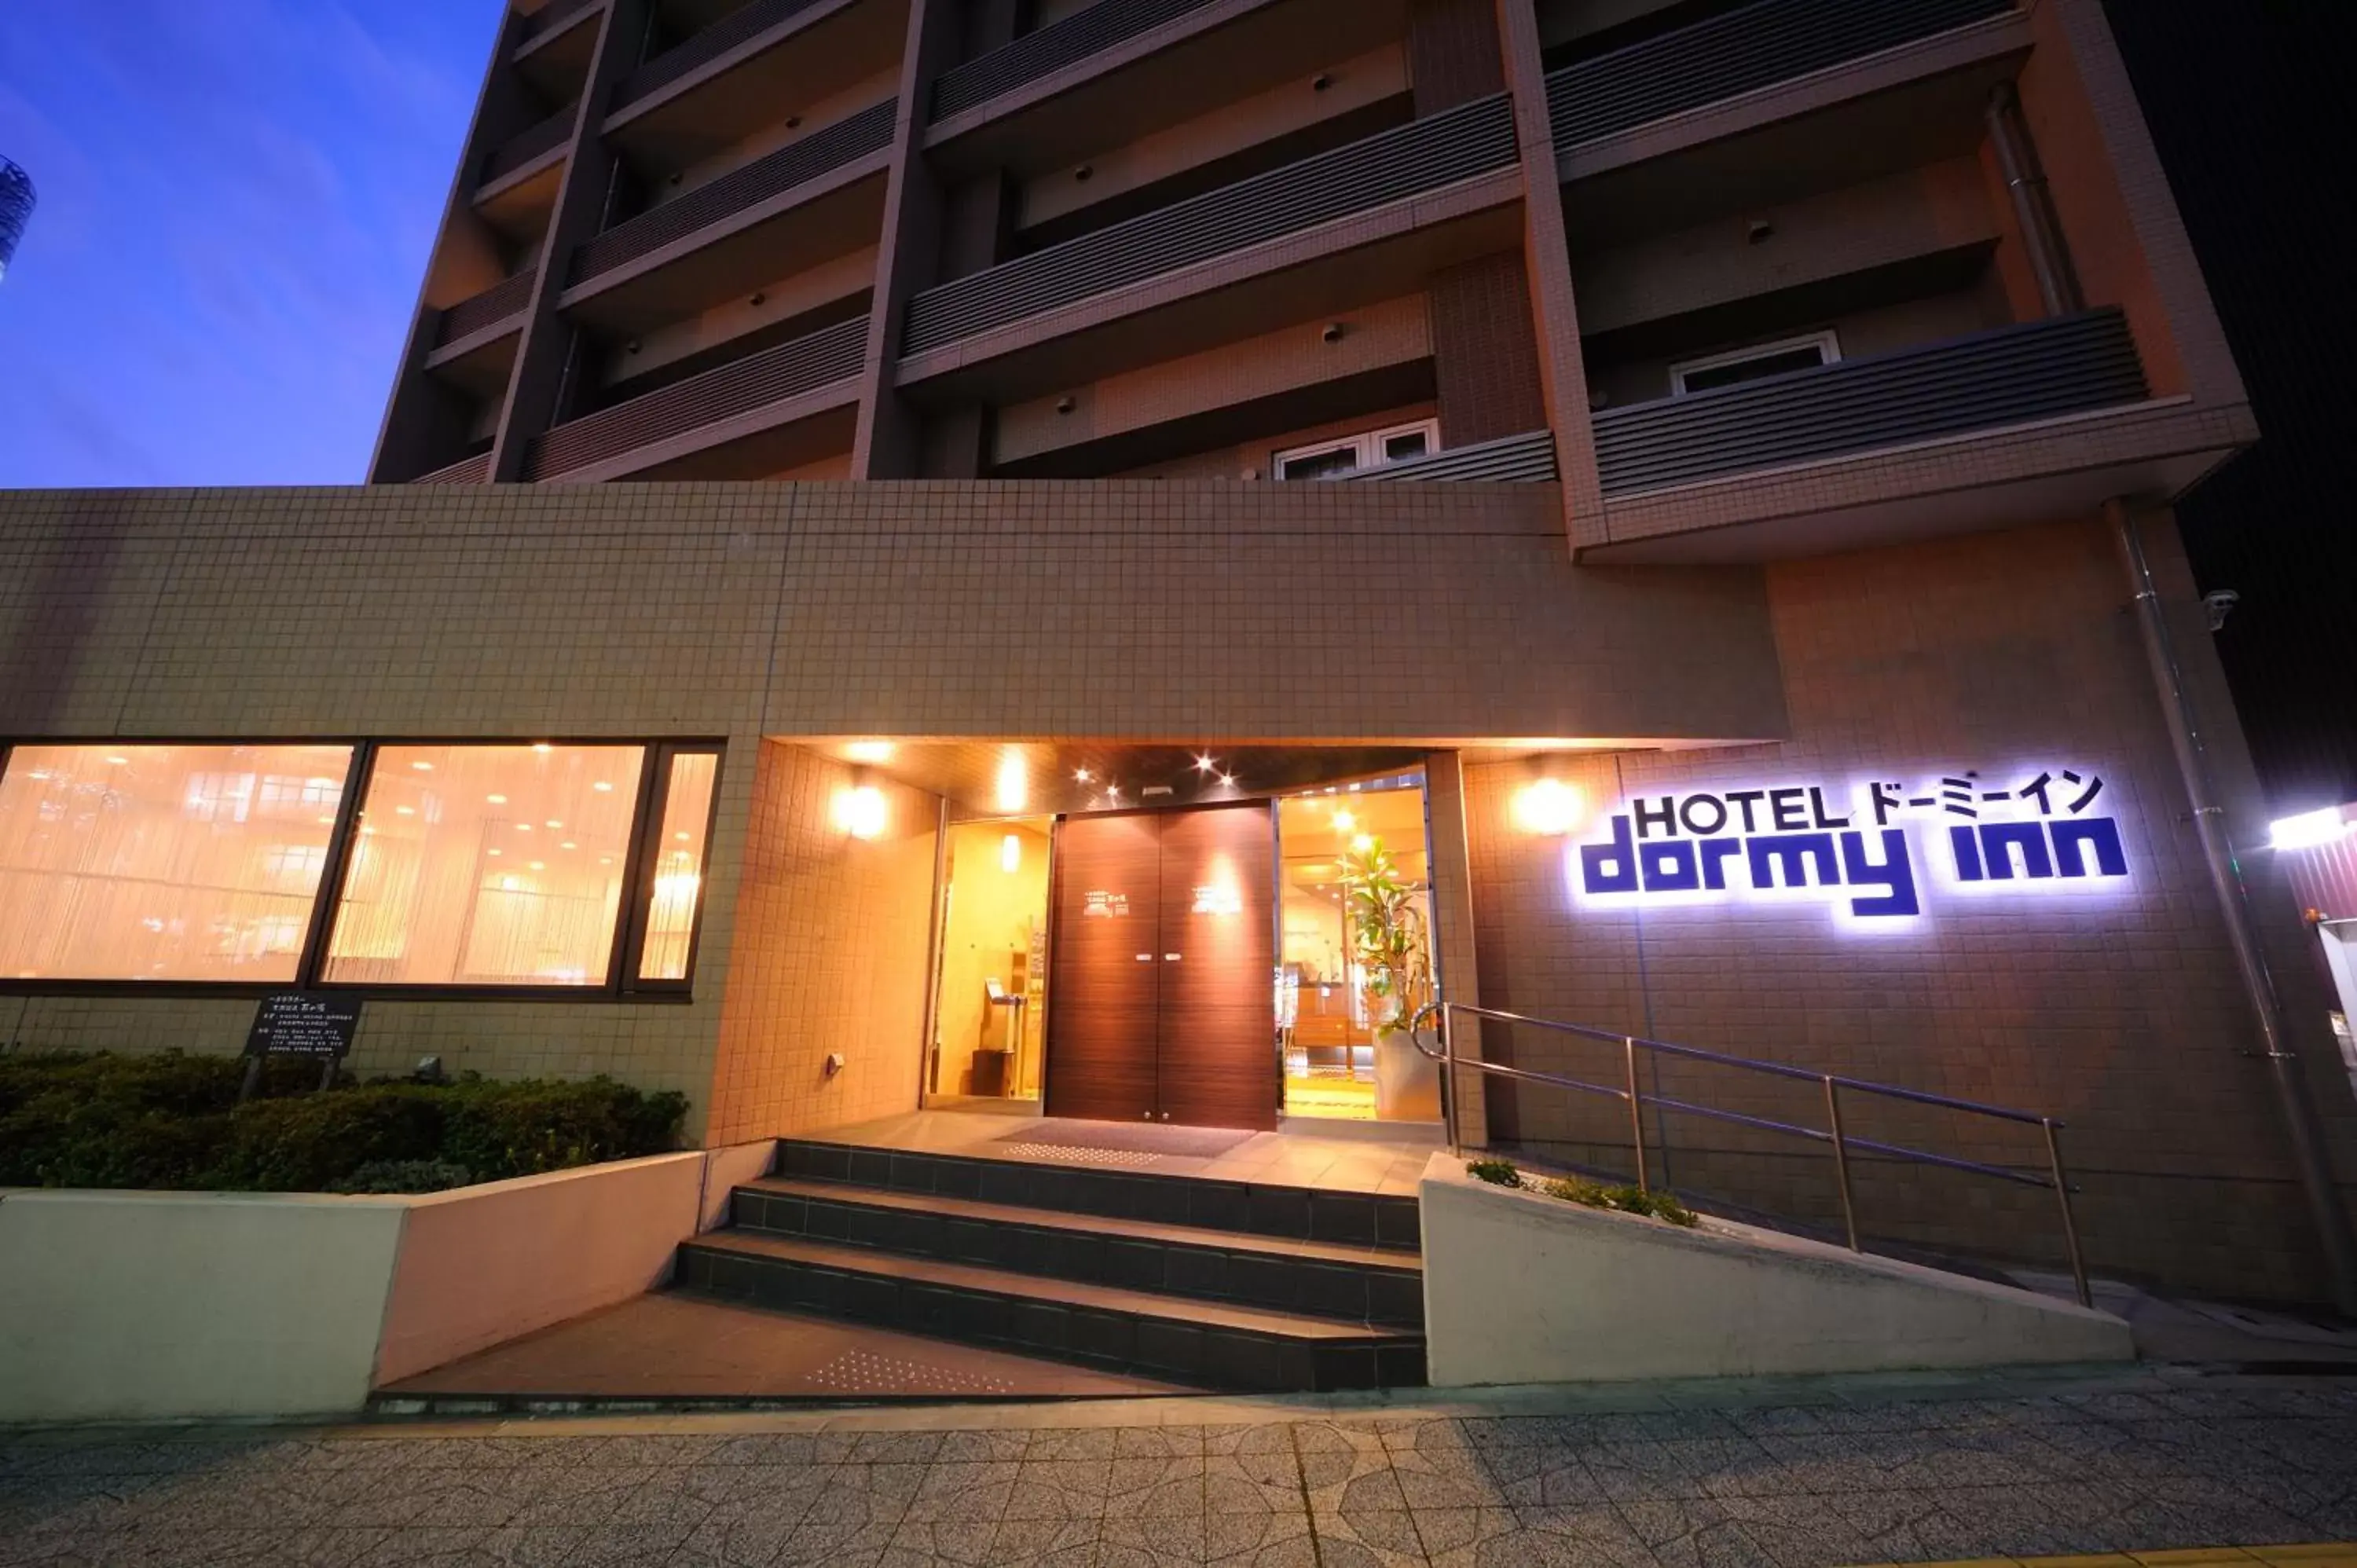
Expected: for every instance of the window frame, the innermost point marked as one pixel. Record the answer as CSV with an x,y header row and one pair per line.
x,y
630,924
1828,343
1366,445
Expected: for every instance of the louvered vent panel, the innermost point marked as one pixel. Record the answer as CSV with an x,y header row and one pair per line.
x,y
1738,52
1509,459
496,304
1468,140
805,364
1052,48
525,147
741,26
817,154
2068,364
474,470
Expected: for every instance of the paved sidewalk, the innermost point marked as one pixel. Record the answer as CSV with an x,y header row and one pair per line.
x,y
1804,1474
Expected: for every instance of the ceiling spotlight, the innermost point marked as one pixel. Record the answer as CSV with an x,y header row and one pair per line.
x,y
869,751
1229,779
1344,821
1203,764
1081,776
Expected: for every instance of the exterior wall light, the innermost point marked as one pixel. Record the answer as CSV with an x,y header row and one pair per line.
x,y
860,811
1548,805
2310,828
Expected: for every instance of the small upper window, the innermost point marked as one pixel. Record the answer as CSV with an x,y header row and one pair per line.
x,y
1754,363
1346,454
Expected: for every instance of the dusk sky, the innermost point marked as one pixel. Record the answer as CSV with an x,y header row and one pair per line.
x,y
236,200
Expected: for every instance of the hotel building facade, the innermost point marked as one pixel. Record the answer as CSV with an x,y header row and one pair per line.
x,y
918,549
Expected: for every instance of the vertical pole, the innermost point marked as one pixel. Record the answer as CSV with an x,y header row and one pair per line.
x,y
2069,1223
1448,1079
2301,1129
1636,1107
2033,204
1841,1162
252,1080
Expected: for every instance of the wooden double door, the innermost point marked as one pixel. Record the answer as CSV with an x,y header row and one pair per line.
x,y
1162,970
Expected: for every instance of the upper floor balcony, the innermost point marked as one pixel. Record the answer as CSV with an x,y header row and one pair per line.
x,y
1365,221
516,186
814,198
746,70
770,411
555,46
1771,95
1115,70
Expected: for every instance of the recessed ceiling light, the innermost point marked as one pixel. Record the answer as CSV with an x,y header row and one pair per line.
x,y
1081,775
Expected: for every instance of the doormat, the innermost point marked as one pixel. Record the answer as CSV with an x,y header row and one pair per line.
x,y
1193,1143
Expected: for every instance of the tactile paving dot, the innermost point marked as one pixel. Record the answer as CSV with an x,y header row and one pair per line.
x,y
1072,1154
858,1371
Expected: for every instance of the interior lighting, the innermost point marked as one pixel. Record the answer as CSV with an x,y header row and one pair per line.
x,y
542,748
568,843
540,866
1010,853
1344,821
1362,843
603,787
554,823
1081,775
861,811
2310,828
118,762
421,767
1203,764
869,751
497,799
1548,805
404,810
1013,782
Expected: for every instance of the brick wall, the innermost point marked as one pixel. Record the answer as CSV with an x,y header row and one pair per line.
x,y
2122,1015
1485,360
828,955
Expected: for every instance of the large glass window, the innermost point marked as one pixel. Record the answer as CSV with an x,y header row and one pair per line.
x,y
163,863
487,865
676,861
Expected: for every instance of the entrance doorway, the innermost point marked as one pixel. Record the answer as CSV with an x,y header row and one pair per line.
x,y
1164,952
990,1005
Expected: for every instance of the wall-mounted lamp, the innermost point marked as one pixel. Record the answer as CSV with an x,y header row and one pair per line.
x,y
1548,805
1010,853
1014,785
860,810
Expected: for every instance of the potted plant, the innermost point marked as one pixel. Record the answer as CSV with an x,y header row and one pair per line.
x,y
1394,950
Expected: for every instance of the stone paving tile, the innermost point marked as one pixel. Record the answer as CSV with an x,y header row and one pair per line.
x,y
1807,1483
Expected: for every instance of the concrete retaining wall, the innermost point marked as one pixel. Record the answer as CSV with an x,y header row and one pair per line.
x,y
166,1305
1521,1288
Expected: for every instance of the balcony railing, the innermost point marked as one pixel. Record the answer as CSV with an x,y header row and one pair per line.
x,y
805,364
553,16
1085,32
740,26
1738,52
1511,459
1425,154
2066,364
474,470
817,154
494,305
529,145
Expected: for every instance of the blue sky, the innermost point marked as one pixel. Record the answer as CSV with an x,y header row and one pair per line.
x,y
236,200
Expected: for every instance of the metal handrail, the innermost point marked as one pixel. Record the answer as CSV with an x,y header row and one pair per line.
x,y
1833,1132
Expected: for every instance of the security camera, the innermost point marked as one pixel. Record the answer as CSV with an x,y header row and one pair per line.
x,y
2219,603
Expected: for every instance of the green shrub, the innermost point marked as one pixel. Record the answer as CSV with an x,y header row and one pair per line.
x,y
405,1175
170,1120
1497,1173
1621,1199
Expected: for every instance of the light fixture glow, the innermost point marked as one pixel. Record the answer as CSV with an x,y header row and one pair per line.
x,y
1081,775
1344,821
1362,844
1203,763
869,751
1013,782
421,767
1548,805
497,799
2310,828
603,787
1229,779
1010,853
118,762
861,811
542,748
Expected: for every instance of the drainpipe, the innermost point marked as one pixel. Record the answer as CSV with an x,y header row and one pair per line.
x,y
2301,1128
2033,203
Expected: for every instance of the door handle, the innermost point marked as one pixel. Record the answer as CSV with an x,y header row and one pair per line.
x,y
1170,957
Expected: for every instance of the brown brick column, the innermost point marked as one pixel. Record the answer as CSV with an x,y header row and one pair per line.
x,y
1546,261
891,435
536,383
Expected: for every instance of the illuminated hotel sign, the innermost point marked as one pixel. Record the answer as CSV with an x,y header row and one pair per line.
x,y
1867,853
